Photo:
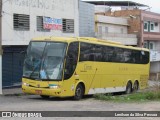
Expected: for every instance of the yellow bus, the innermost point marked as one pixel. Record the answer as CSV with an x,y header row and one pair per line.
x,y
70,66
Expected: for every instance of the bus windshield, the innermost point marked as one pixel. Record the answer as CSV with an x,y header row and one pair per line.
x,y
44,60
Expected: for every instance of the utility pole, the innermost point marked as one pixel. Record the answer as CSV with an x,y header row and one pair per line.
x,y
1,47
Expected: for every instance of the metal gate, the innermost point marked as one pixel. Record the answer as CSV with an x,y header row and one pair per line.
x,y
12,65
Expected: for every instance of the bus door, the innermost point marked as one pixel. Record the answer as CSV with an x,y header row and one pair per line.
x,y
69,70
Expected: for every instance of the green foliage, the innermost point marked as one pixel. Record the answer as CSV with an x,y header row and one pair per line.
x,y
135,97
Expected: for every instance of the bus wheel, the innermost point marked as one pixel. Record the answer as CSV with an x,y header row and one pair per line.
x,y
79,92
44,96
128,88
135,86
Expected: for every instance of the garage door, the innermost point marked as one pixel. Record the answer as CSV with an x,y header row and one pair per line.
x,y
12,66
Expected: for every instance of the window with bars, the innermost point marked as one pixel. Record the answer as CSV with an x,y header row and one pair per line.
x,y
40,24
21,22
68,25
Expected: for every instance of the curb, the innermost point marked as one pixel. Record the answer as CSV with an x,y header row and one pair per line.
x,y
12,91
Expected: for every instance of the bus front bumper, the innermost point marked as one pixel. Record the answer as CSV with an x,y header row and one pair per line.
x,y
42,91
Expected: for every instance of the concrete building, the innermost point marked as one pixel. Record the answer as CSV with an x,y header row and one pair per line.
x,y
86,20
146,25
115,29
141,22
25,19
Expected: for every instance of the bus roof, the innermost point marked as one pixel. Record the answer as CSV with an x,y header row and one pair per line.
x,y
88,40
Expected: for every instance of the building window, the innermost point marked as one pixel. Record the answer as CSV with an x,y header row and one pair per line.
x,y
106,30
121,30
21,22
145,45
151,45
152,26
145,26
68,25
40,24
100,30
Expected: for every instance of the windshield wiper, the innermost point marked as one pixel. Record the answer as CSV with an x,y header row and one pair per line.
x,y
38,65
34,69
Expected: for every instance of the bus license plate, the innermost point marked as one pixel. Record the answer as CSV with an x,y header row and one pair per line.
x,y
39,92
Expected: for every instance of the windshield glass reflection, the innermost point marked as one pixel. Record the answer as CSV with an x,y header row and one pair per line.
x,y
44,60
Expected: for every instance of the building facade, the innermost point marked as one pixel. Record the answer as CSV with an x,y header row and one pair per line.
x,y
115,29
146,25
25,19
86,20
151,39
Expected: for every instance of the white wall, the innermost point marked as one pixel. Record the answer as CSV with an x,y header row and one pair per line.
x,y
86,20
111,20
114,24
155,67
122,40
113,28
117,30
67,9
101,8
157,45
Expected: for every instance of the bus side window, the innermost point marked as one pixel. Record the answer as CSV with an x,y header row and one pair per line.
x,y
144,57
71,60
91,57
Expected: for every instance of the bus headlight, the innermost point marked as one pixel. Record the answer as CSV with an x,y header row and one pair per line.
x,y
54,86
25,84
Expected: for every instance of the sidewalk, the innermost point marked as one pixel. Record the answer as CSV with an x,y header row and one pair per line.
x,y
12,91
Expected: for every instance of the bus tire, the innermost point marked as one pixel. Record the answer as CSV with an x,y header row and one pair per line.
x,y
44,96
79,92
135,86
128,88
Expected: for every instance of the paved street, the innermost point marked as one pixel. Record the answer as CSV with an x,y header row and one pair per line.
x,y
36,103
21,102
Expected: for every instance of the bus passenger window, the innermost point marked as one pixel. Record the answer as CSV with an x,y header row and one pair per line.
x,y
91,57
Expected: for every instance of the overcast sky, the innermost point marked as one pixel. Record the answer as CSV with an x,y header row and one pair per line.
x,y
154,4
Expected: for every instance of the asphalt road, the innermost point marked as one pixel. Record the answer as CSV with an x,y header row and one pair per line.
x,y
36,103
